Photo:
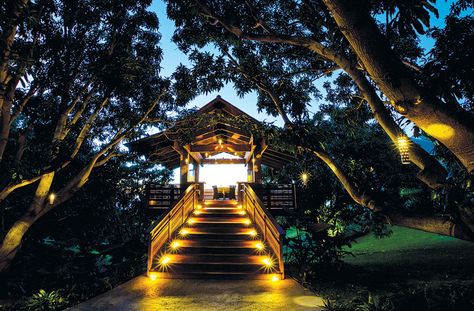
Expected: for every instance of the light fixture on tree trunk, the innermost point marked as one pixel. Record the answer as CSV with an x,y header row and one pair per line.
x,y
304,178
404,146
51,198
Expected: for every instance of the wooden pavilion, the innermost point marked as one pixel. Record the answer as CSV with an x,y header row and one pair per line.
x,y
228,237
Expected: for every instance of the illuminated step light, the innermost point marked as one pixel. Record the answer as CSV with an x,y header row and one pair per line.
x,y
191,221
259,246
153,276
199,206
184,232
239,206
197,213
242,213
268,262
175,245
165,260
247,221
275,278
252,233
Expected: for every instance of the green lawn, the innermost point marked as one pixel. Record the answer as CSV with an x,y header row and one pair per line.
x,y
414,269
412,253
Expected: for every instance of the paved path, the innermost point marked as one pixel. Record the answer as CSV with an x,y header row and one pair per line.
x,y
141,293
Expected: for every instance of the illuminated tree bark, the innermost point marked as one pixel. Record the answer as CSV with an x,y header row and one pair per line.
x,y
447,123
40,204
12,241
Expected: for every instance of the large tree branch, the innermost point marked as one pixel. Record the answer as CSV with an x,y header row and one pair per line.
x,y
432,172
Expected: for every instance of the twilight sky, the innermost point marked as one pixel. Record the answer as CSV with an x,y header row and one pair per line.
x,y
172,57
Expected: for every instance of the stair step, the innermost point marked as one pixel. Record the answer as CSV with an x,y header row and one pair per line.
x,y
216,275
220,214
218,259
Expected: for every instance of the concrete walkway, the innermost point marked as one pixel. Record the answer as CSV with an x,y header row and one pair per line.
x,y
141,293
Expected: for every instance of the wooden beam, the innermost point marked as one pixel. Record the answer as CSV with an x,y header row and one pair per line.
x,y
223,161
220,148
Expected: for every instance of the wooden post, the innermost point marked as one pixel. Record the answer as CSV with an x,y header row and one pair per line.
x,y
257,170
196,171
184,166
250,172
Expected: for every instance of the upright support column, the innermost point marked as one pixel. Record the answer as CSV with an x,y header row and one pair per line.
x,y
257,169
250,172
196,171
184,168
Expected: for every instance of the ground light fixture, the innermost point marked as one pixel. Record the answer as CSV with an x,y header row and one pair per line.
x,y
259,246
247,221
191,221
165,260
175,245
252,233
184,231
275,278
242,213
153,276
268,262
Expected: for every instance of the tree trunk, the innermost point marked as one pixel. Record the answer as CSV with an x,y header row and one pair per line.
x,y
443,225
14,237
449,124
359,197
432,173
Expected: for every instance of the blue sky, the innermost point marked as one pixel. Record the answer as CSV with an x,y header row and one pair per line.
x,y
172,57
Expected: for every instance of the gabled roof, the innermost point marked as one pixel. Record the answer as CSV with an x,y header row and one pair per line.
x,y
206,140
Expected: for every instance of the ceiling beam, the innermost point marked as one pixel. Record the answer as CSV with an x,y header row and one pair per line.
x,y
223,161
220,148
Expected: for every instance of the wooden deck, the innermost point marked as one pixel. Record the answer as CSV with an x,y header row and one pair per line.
x,y
141,293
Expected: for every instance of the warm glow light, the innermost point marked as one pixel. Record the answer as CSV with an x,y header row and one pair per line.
x,y
242,213
252,233
404,146
304,178
220,141
153,276
247,221
259,246
191,221
239,206
199,206
165,260
275,278
51,198
268,262
197,213
187,160
175,245
184,232
440,131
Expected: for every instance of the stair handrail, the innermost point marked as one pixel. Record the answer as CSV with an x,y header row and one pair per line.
x,y
273,233
162,231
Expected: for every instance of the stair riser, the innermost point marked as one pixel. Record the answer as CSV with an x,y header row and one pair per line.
x,y
214,276
211,251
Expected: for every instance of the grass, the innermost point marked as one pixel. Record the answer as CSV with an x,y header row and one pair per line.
x,y
406,262
412,254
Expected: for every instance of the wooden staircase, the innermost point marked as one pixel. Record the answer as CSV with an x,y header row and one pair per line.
x,y
218,240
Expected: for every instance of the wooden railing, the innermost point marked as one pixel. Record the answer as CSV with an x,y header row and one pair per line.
x,y
162,197
168,223
280,199
273,234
